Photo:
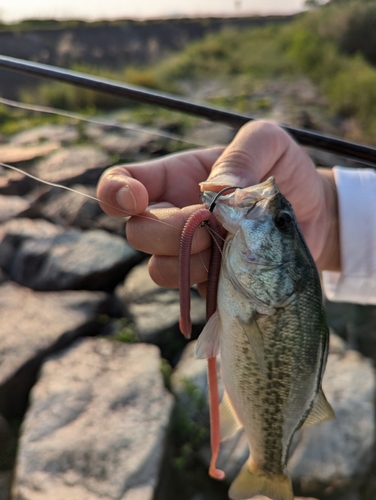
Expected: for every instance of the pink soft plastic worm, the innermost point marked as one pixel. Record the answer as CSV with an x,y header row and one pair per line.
x,y
196,220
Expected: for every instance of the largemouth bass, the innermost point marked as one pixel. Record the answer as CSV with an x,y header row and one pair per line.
x,y
270,332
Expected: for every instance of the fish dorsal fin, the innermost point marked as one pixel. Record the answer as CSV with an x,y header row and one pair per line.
x,y
256,341
208,341
228,418
321,411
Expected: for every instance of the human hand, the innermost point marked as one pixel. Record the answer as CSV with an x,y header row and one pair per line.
x,y
259,150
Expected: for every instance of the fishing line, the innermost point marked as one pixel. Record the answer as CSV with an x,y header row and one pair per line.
x,y
85,195
97,121
214,235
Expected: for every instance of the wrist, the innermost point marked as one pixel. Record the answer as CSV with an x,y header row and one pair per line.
x,y
330,256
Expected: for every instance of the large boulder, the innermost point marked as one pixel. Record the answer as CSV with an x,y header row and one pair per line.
x,y
96,425
332,459
14,153
82,164
13,206
34,324
155,311
44,133
61,259
79,208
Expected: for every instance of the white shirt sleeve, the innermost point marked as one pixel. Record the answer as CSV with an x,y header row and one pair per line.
x,y
357,218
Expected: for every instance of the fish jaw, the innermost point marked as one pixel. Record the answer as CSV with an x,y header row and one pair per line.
x,y
230,209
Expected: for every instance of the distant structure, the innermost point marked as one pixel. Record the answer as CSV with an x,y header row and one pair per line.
x,y
238,4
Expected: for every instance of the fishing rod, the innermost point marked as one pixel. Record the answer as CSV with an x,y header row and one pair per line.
x,y
331,144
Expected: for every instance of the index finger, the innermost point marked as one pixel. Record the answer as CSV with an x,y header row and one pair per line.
x,y
129,189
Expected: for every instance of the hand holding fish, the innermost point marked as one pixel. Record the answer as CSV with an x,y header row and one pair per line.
x,y
259,150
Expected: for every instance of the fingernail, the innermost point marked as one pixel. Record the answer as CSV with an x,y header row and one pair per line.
x,y
126,200
220,182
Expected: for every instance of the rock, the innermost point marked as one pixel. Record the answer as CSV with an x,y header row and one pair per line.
x,y
71,209
336,455
76,209
156,310
124,141
356,323
74,164
11,153
23,229
331,457
210,133
15,183
15,232
261,497
64,259
5,484
37,135
127,142
190,386
33,325
8,446
96,425
336,344
12,206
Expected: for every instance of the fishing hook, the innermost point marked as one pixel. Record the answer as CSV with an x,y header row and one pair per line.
x,y
214,202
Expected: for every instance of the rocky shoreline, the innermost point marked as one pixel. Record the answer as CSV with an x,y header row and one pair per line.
x,y
100,396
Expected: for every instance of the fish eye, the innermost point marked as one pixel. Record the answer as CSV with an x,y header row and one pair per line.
x,y
282,221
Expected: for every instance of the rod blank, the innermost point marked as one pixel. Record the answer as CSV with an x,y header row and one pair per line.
x,y
355,151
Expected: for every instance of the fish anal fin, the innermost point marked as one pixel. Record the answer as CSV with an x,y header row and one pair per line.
x,y
321,411
256,341
208,342
228,418
252,481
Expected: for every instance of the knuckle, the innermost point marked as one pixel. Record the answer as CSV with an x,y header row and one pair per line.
x,y
262,126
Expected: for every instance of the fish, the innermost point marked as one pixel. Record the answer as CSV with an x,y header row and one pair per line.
x,y
271,334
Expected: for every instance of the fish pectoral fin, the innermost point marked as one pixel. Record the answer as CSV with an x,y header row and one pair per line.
x,y
256,341
252,481
228,418
321,411
208,342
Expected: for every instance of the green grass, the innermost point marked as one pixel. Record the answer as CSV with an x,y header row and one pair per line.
x,y
190,433
16,120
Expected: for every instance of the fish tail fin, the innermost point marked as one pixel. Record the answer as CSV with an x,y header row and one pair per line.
x,y
252,481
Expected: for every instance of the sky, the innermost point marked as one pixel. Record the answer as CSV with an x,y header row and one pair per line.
x,y
16,10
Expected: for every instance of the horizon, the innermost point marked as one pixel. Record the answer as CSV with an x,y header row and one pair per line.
x,y
141,10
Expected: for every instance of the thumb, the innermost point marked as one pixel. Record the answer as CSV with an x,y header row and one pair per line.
x,y
249,158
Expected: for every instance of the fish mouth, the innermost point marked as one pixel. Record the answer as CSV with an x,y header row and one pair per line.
x,y
241,197
251,202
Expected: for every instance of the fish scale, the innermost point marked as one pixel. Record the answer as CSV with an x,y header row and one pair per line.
x,y
273,338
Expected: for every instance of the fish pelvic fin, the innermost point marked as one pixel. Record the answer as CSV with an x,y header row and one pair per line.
x,y
208,342
321,411
252,481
